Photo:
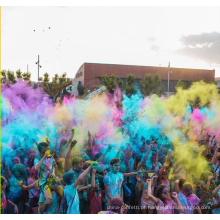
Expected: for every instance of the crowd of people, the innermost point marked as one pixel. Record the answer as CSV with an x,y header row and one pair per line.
x,y
143,178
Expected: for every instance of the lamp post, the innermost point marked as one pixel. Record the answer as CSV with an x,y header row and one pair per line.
x,y
39,66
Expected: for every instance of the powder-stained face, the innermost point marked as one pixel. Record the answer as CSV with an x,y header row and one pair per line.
x,y
16,160
116,167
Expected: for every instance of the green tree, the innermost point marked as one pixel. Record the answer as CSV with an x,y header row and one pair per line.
x,y
181,84
151,84
26,76
111,82
19,74
11,76
129,86
58,83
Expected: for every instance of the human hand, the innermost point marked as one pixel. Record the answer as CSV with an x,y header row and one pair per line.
x,y
174,195
73,143
93,171
15,209
148,181
21,183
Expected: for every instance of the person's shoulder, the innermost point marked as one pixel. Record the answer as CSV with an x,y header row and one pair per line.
x,y
119,174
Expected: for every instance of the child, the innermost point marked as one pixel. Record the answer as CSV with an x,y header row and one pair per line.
x,y
4,200
95,195
164,204
186,197
70,191
45,165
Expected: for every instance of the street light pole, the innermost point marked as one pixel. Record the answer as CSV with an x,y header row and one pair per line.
x,y
39,66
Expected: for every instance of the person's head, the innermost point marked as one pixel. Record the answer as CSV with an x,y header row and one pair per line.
x,y
154,157
77,163
163,193
115,165
116,204
31,158
181,183
63,142
209,157
42,148
69,178
187,189
3,183
164,175
30,151
19,171
16,160
34,173
60,163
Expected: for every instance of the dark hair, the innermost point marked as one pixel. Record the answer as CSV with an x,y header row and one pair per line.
x,y
68,177
158,192
181,183
114,161
97,156
116,204
208,156
2,180
41,146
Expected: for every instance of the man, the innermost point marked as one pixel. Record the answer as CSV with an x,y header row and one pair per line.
x,y
113,180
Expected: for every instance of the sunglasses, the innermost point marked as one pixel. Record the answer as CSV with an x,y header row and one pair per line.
x,y
166,192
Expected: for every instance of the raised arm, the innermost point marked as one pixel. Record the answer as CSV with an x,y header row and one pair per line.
x,y
176,186
82,176
31,186
155,199
67,158
178,206
93,178
215,191
38,165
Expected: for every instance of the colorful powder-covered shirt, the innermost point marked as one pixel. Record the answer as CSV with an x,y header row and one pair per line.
x,y
167,208
72,197
45,169
189,202
115,182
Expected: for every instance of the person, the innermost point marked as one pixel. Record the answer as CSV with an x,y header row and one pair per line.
x,y
113,180
164,204
115,206
189,200
4,200
34,191
70,191
45,165
147,205
95,195
216,200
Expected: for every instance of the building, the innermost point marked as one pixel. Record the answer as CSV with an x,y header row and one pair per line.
x,y
90,74
217,79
